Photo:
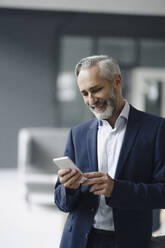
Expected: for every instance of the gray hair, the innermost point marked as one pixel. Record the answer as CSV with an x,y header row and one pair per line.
x,y
107,65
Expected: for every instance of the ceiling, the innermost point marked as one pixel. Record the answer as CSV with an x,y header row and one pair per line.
x,y
140,7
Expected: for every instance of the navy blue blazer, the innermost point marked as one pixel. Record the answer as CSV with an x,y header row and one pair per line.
x,y
139,182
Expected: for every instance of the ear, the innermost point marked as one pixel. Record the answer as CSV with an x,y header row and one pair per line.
x,y
117,80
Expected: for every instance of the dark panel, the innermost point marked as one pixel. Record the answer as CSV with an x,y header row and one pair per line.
x,y
95,24
116,25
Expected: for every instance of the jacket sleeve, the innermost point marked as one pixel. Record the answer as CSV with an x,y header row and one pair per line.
x,y
130,195
66,199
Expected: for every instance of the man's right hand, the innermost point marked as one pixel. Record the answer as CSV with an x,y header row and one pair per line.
x,y
70,178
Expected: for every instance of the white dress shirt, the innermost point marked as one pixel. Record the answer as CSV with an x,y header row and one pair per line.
x,y
109,142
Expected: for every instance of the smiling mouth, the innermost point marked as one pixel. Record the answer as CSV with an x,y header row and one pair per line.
x,y
98,106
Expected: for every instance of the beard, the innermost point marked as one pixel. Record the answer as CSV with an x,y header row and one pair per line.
x,y
110,107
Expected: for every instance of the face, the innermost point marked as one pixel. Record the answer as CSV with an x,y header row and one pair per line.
x,y
98,93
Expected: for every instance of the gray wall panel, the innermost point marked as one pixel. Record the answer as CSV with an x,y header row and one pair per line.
x,y
26,80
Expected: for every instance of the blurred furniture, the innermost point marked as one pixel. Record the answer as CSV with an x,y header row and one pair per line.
x,y
36,149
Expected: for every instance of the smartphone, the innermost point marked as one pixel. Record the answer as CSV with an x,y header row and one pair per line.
x,y
67,163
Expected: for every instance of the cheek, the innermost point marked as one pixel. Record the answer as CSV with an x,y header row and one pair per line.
x,y
101,94
105,95
111,95
85,100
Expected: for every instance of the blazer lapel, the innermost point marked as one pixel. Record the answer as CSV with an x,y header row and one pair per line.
x,y
92,146
129,138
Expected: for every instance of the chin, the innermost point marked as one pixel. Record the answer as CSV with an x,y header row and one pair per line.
x,y
108,113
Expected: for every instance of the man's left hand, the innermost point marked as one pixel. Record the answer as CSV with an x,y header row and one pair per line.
x,y
101,183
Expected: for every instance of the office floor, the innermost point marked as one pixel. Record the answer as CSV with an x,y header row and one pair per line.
x,y
24,226
34,226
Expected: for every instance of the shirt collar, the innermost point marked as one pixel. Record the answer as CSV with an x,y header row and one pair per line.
x,y
125,111
124,114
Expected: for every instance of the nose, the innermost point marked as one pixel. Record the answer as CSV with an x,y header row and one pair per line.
x,y
91,99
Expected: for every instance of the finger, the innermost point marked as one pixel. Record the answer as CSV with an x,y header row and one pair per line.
x,y
94,181
62,172
97,187
75,185
73,182
100,192
69,175
95,174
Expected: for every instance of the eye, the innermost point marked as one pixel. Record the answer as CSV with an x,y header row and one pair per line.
x,y
84,93
95,90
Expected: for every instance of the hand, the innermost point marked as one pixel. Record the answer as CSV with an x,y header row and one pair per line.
x,y
70,178
101,183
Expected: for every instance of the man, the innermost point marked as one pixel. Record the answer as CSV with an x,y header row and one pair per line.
x,y
121,153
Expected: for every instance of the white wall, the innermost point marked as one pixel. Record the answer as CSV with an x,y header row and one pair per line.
x,y
139,77
144,7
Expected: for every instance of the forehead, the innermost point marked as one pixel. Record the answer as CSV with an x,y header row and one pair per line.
x,y
90,77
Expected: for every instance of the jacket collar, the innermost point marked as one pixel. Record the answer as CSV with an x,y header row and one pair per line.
x,y
129,139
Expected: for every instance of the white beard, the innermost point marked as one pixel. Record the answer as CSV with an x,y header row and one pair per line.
x,y
106,114
111,105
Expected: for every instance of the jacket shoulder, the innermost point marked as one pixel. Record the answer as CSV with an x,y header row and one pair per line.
x,y
86,125
146,116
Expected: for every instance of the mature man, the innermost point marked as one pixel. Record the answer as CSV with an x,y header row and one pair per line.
x,y
121,152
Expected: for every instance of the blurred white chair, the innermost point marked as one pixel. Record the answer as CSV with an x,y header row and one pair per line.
x,y
36,149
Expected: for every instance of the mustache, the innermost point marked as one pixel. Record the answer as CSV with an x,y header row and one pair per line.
x,y
98,103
